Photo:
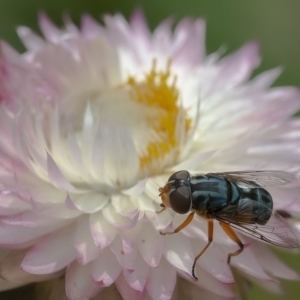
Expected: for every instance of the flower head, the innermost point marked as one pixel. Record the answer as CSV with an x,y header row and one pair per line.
x,y
89,114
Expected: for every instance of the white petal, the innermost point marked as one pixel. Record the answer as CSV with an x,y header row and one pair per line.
x,y
126,260
248,263
83,242
31,40
50,31
178,251
17,236
53,253
56,177
147,238
272,264
206,281
127,292
137,189
117,220
11,271
79,282
103,233
27,219
105,269
161,281
137,277
88,202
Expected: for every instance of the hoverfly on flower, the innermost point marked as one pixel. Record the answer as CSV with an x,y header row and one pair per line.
x,y
237,200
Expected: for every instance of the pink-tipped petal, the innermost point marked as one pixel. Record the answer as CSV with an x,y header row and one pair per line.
x,y
102,232
272,264
161,281
137,277
52,254
79,282
105,269
30,39
49,30
179,253
56,177
126,260
149,237
126,291
248,263
10,269
84,243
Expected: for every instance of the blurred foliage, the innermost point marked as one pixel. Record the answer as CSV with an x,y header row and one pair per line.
x,y
274,23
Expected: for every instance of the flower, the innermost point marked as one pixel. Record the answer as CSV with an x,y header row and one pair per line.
x,y
92,118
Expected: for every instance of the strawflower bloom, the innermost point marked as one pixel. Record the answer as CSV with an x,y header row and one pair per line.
x,y
94,119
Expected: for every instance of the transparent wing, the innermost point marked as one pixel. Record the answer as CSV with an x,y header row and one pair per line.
x,y
276,231
261,178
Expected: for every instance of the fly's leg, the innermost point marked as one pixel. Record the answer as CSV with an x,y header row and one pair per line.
x,y
186,222
163,208
230,232
210,231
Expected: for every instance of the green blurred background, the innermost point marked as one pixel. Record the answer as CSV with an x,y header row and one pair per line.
x,y
274,23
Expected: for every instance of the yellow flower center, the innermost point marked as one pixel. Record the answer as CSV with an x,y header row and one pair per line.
x,y
158,90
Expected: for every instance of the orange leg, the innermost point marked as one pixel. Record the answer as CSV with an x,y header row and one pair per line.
x,y
230,232
186,222
210,231
163,208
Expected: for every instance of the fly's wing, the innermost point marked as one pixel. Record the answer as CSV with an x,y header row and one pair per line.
x,y
276,231
259,178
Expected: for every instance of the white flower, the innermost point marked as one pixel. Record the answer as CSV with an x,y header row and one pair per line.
x,y
89,114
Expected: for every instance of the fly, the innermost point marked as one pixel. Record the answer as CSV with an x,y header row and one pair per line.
x,y
237,200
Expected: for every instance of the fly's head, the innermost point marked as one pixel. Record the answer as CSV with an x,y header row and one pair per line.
x,y
176,193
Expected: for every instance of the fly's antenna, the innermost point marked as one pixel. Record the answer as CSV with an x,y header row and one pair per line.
x,y
154,182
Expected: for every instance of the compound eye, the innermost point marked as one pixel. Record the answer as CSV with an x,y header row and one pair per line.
x,y
180,200
180,175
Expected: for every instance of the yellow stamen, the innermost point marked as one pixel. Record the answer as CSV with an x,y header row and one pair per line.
x,y
158,90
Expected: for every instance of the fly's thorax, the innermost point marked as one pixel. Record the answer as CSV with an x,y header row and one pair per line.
x,y
209,192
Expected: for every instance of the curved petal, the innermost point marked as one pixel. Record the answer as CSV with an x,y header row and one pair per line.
x,y
53,253
10,269
127,292
179,252
105,269
272,264
161,281
137,277
102,232
79,282
88,203
84,243
147,238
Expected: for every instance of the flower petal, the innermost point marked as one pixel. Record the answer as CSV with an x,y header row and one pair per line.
x,y
248,263
79,283
126,291
30,39
179,252
83,242
147,238
53,253
272,264
102,232
105,269
10,269
161,281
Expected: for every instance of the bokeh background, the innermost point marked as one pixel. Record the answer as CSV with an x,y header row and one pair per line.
x,y
274,23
